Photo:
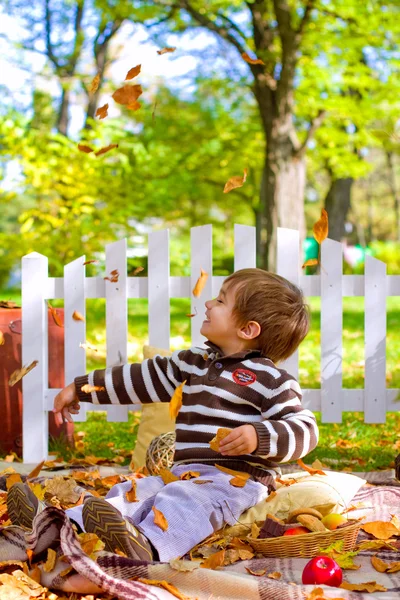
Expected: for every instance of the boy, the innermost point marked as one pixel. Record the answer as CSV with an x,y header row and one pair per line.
x,y
257,320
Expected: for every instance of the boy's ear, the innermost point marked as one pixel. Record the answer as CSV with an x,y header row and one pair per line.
x,y
250,331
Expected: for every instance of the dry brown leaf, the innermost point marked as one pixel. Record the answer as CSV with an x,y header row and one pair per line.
x,y
12,479
183,565
106,149
127,94
200,283
379,565
2,339
382,530
274,575
167,476
256,573
85,149
88,389
130,495
271,496
240,474
175,404
321,227
89,262
159,519
102,111
252,61
77,316
62,489
35,472
238,482
202,481
20,373
368,586
309,470
189,475
222,433
311,262
376,545
134,106
134,72
51,560
94,86
166,586
55,315
235,182
215,560
165,50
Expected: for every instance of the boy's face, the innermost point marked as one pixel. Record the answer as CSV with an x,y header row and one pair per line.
x,y
219,326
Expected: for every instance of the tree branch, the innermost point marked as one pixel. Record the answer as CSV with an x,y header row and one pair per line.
x,y
306,17
314,125
49,46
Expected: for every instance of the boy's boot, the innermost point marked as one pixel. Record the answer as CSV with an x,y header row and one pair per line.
x,y
23,505
101,518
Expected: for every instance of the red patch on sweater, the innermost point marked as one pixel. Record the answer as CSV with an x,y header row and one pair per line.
x,y
244,377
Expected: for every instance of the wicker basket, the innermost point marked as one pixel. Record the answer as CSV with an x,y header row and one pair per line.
x,y
160,453
306,545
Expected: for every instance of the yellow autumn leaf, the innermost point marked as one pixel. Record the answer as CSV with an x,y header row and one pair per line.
x,y
167,476
77,316
161,583
200,283
235,182
240,474
215,560
51,560
189,475
90,543
130,495
368,586
311,262
321,227
37,489
94,86
309,470
2,339
222,433
175,404
20,373
382,530
238,482
12,479
159,519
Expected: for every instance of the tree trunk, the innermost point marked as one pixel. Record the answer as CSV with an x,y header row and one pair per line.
x,y
63,113
337,205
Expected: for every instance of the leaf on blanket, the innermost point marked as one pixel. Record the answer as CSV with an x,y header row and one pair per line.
x,y
270,497
130,495
11,479
238,482
240,474
377,544
395,521
382,530
379,565
274,575
90,543
222,433
338,554
309,470
63,489
183,565
35,472
256,573
167,476
159,519
189,475
110,481
18,579
51,560
164,584
368,586
215,560
175,404
202,481
318,594
35,574
286,482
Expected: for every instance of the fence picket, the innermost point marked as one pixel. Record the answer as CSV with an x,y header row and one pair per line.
x,y
201,258
74,331
331,331
245,247
375,341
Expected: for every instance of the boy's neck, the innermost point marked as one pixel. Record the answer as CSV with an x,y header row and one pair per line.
x,y
233,348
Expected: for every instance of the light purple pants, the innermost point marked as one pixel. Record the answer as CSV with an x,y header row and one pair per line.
x,y
193,511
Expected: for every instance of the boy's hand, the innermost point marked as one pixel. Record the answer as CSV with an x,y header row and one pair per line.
x,y
242,440
66,403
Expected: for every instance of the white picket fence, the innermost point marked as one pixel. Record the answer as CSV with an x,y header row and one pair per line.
x,y
331,285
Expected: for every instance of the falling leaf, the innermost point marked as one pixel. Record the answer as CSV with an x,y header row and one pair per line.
x,y
239,474
274,575
138,270
238,482
106,149
382,530
202,481
321,227
127,94
200,283
133,72
134,106
165,585
85,149
88,389
215,560
94,86
183,565
20,373
369,586
51,561
190,315
55,316
189,475
35,472
175,404
309,470
311,262
270,497
89,262
167,476
165,50
159,519
252,61
102,111
256,573
222,433
2,339
12,479
235,182
114,276
77,316
130,495
63,489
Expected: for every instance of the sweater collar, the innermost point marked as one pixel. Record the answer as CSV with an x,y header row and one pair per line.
x,y
242,354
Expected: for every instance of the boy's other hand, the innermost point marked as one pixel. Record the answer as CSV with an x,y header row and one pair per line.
x,y
242,440
66,403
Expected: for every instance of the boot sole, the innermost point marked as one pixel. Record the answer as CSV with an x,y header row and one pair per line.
x,y
19,507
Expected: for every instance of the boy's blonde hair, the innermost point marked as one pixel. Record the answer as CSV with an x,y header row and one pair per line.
x,y
277,305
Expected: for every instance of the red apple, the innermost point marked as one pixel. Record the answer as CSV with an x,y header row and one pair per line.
x,y
322,570
297,530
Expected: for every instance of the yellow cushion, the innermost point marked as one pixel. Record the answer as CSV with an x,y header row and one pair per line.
x,y
155,418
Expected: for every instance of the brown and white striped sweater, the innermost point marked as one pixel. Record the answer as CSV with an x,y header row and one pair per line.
x,y
220,391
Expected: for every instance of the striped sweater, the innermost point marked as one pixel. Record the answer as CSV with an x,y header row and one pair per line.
x,y
220,391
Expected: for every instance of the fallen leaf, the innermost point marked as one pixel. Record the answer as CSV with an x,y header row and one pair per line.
x,y
189,475
200,283
133,72
238,482
89,262
87,346
90,543
127,94
222,433
235,182
382,530
252,61
106,149
274,575
311,262
66,572
368,586
159,519
102,111
165,50
175,404
88,389
85,149
377,545
318,594
164,584
167,476
51,560
94,86
134,106
345,559
286,482
240,474
309,470
183,565
2,339
270,497
379,565
202,481
63,489
35,472
130,495
215,560
395,521
321,227
77,316
256,573
138,270
12,479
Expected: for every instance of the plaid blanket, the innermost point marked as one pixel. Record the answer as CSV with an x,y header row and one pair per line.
x,y
114,574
